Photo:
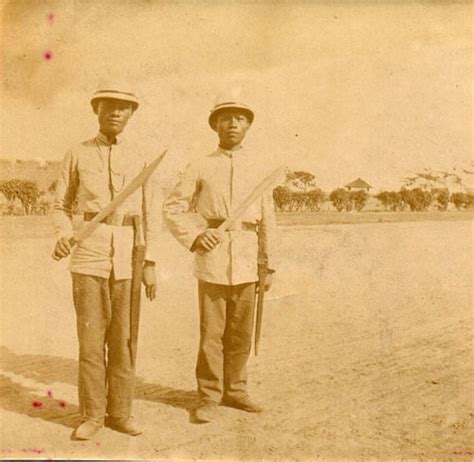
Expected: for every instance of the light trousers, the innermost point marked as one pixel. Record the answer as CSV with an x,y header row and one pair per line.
x,y
226,326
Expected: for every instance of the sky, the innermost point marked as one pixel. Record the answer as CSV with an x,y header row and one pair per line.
x,y
371,89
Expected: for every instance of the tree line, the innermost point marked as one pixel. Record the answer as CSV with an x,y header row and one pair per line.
x,y
298,193
23,197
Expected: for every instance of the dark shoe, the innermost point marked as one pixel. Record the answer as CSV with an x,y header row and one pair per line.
x,y
86,430
244,404
126,425
205,412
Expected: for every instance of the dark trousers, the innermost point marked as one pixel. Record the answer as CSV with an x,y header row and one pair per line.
x,y
226,325
106,373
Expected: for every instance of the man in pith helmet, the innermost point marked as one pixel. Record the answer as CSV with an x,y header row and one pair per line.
x,y
225,264
92,175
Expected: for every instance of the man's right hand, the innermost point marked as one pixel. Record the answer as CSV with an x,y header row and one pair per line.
x,y
62,249
207,240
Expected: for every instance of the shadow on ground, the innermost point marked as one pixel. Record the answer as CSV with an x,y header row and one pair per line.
x,y
45,369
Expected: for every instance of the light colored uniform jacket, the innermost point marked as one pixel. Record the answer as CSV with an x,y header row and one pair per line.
x,y
216,185
92,174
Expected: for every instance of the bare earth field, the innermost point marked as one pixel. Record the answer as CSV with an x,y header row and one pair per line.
x,y
329,218
366,350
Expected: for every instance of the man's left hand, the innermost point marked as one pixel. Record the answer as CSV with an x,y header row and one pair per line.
x,y
149,279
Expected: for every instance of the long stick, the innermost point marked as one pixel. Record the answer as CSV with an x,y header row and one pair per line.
x,y
260,289
138,258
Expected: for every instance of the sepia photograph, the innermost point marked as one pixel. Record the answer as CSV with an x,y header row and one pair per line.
x,y
236,230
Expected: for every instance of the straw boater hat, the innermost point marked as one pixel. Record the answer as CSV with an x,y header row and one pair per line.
x,y
112,92
229,101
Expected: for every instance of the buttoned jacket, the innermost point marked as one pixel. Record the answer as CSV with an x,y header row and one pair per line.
x,y
215,186
92,174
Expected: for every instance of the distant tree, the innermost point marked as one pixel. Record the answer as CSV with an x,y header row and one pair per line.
x,y
391,200
281,198
460,200
359,199
300,180
417,199
396,202
298,201
470,202
341,199
25,191
405,196
384,198
315,198
441,196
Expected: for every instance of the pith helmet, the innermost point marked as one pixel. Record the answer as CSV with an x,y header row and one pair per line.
x,y
114,92
228,101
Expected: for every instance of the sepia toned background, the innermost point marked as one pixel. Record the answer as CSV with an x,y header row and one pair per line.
x,y
371,89
368,331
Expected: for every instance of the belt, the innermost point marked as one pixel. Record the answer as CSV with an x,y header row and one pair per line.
x,y
243,225
113,219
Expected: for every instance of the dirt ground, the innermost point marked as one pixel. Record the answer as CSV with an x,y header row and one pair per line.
x,y
366,352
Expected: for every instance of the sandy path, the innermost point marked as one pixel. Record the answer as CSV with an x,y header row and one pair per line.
x,y
366,353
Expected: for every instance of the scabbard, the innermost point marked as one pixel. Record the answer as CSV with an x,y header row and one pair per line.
x,y
262,265
260,294
138,258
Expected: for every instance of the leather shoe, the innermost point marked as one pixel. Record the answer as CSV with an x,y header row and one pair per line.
x,y
123,425
86,430
244,404
205,412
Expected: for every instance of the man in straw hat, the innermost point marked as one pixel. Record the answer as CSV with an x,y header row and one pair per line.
x,y
225,264
92,174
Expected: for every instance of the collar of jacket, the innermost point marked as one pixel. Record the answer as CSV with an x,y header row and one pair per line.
x,y
102,139
229,153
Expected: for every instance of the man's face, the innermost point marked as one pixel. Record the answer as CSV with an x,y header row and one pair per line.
x,y
113,115
231,127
